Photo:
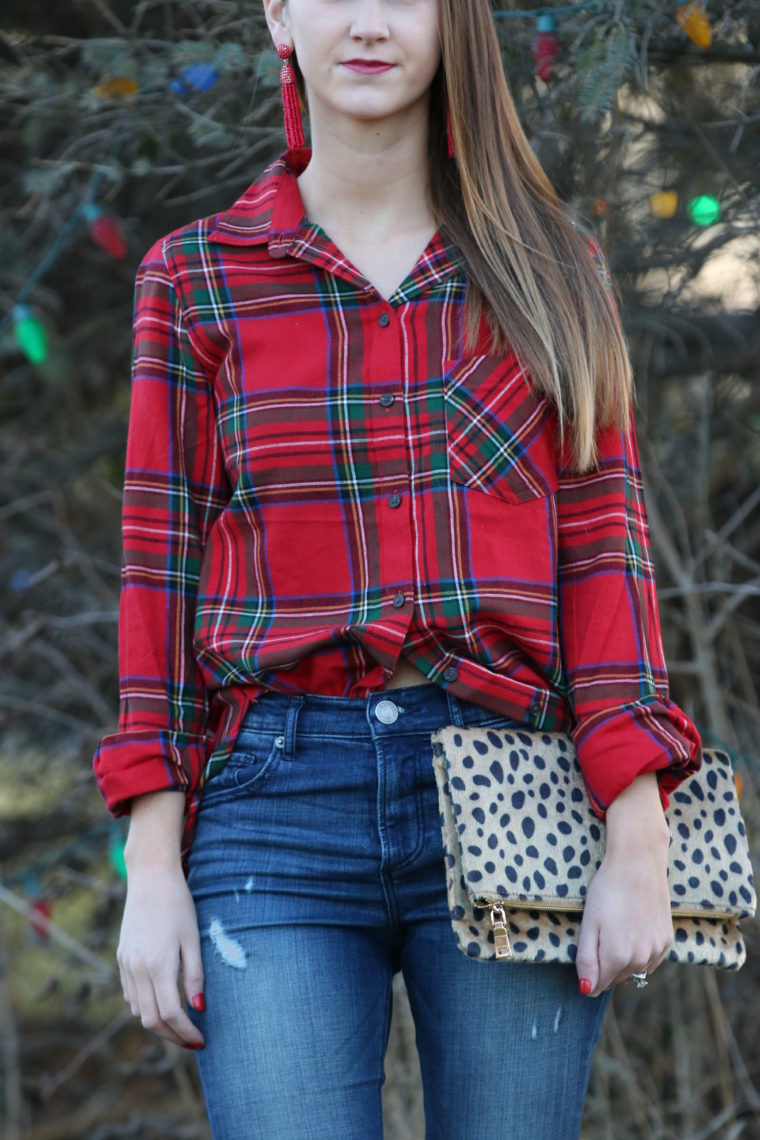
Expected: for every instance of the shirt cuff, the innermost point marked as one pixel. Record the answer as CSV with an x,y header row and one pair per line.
x,y
614,746
129,764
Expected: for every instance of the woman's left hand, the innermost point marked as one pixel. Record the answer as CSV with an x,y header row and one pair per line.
x,y
627,925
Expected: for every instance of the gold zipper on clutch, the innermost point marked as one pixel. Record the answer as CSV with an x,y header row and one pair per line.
x,y
500,936
575,908
723,914
571,908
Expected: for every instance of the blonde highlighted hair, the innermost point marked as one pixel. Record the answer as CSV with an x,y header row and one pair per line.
x,y
527,262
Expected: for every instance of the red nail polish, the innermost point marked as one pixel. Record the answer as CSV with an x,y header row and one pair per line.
x,y
584,985
193,1045
199,1003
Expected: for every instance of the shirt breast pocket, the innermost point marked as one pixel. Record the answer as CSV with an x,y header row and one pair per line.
x,y
499,430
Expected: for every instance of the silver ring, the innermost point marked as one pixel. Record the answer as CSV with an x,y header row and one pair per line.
x,y
640,980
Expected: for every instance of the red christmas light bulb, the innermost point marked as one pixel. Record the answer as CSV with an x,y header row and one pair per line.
x,y
105,231
41,911
545,48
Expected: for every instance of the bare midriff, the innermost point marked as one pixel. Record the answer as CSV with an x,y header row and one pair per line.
x,y
405,674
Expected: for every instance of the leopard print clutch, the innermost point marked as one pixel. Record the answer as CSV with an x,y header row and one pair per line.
x,y
522,845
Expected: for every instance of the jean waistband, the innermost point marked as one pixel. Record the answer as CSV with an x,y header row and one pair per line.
x,y
410,708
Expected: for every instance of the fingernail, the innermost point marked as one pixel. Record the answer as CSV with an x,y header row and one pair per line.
x,y
199,1003
194,1045
584,985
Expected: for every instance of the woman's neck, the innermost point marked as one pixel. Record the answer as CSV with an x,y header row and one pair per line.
x,y
370,185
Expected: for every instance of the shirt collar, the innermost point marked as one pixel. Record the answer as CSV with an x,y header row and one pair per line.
x,y
270,208
271,211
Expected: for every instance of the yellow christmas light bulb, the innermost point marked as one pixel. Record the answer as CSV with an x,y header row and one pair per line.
x,y
117,87
696,23
664,204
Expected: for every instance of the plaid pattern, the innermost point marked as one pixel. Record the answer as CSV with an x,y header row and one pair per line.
x,y
318,480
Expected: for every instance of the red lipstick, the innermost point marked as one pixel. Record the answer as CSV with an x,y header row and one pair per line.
x,y
367,66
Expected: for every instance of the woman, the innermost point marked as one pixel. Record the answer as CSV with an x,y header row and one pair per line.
x,y
350,518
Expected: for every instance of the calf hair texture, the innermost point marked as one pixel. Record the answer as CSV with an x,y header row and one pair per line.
x,y
518,831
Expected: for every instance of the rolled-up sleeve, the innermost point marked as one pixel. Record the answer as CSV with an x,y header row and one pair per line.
x,y
175,486
624,720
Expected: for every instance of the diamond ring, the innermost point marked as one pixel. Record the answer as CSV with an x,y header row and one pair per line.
x,y
640,980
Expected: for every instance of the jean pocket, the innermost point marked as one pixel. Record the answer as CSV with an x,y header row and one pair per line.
x,y
500,432
251,761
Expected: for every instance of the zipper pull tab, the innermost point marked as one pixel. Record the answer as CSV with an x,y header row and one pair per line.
x,y
500,935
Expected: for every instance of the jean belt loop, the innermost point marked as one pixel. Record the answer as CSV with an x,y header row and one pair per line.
x,y
455,710
291,722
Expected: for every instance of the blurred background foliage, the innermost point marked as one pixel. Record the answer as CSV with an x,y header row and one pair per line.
x,y
149,113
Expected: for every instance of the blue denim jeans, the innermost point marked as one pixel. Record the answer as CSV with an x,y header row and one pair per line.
x,y
318,872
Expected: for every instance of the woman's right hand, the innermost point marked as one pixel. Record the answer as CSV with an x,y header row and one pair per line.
x,y
159,930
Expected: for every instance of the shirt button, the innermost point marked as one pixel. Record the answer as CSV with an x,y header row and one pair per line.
x,y
398,600
395,500
383,320
450,673
386,399
386,712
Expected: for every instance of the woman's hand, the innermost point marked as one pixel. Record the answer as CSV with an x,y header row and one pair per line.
x,y
627,925
159,930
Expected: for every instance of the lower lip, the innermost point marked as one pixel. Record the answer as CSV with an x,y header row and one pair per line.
x,y
366,70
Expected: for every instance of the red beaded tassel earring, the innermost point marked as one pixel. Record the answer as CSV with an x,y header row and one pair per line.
x,y
449,135
290,105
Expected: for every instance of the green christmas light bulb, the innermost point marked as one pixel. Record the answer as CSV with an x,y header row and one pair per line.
x,y
704,210
30,335
116,845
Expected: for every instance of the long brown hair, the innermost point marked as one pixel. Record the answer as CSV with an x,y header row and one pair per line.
x,y
529,266
528,263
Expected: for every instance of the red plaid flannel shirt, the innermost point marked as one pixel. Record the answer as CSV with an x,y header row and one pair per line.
x,y
317,481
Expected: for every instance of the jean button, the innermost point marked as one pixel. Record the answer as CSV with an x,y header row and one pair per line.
x,y
386,711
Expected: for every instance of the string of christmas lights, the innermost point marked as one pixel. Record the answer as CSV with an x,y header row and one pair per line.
x,y
107,233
